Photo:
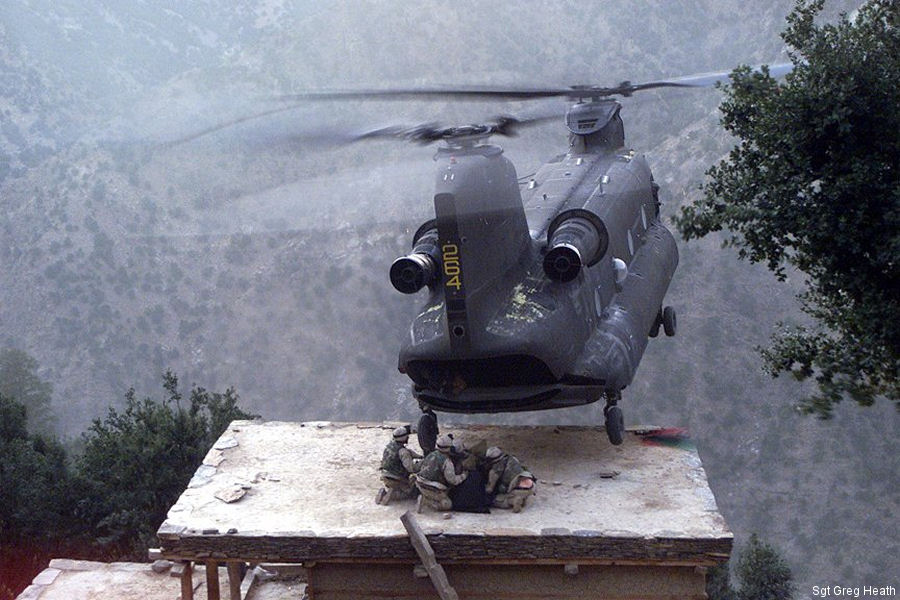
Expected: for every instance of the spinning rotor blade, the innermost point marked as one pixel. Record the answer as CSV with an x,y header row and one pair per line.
x,y
423,133
711,79
324,134
430,132
626,88
427,133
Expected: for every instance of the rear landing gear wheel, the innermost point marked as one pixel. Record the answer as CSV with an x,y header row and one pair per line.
x,y
615,424
668,321
427,431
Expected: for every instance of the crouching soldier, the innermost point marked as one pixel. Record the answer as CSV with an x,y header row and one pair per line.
x,y
437,476
398,465
509,479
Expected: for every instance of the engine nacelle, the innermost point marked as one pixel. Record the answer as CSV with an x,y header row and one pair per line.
x,y
412,272
576,238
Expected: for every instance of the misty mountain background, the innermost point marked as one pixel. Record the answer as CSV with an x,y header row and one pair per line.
x,y
249,259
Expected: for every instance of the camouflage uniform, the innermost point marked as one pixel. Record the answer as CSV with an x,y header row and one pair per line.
x,y
398,464
437,475
510,479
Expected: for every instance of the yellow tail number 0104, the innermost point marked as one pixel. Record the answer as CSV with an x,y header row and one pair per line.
x,y
452,270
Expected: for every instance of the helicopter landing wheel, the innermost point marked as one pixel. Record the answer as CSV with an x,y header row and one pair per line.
x,y
668,321
615,424
427,431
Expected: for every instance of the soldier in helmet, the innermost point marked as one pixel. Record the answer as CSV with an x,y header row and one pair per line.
x,y
398,465
509,479
437,475
469,496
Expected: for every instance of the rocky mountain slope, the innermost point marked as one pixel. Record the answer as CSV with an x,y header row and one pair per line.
x,y
234,260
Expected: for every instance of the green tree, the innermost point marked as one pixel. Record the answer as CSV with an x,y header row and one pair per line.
x,y
137,462
33,478
763,574
35,505
814,183
19,380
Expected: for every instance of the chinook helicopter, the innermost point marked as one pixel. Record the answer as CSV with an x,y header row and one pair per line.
x,y
542,298
539,298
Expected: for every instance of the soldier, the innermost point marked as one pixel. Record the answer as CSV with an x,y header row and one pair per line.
x,y
509,479
469,496
437,475
398,464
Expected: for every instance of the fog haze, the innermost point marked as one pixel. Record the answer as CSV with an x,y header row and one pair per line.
x,y
255,259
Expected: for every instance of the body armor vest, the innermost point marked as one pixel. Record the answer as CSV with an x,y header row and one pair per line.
x,y
512,469
390,460
432,467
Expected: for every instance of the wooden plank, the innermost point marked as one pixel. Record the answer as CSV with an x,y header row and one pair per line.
x,y
212,581
426,554
343,582
575,547
187,581
234,580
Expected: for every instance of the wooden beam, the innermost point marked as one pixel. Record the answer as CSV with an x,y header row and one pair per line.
x,y
212,581
580,546
234,580
187,581
426,554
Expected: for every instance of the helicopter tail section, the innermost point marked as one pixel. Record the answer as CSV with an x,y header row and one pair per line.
x,y
454,279
481,236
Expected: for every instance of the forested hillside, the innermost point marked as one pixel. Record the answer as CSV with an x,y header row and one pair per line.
x,y
236,261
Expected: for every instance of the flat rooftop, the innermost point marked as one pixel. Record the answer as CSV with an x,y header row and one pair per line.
x,y
66,579
305,492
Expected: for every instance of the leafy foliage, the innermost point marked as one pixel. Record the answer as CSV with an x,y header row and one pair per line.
x,y
19,380
137,462
35,505
814,183
33,478
762,573
134,466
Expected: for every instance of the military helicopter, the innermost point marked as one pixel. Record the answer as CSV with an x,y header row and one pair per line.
x,y
538,298
542,299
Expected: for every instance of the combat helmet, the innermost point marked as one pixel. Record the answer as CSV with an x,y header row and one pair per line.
x,y
401,434
445,443
493,454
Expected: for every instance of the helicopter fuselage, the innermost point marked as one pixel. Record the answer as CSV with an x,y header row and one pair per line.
x,y
542,299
